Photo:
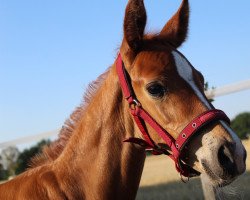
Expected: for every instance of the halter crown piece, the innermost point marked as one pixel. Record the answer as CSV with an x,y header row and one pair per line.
x,y
141,117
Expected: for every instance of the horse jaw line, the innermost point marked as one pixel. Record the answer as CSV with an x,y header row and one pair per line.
x,y
185,71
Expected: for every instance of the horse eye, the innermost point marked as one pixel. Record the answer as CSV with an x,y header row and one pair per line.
x,y
156,90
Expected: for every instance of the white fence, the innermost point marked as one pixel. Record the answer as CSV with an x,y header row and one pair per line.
x,y
28,139
228,89
220,91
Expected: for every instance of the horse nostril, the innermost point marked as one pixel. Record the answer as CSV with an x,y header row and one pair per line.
x,y
226,160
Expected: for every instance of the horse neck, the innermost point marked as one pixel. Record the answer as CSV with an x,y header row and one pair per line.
x,y
96,157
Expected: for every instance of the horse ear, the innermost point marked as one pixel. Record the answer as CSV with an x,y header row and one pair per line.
x,y
175,31
134,24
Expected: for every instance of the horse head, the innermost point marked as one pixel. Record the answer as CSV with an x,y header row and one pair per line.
x,y
171,90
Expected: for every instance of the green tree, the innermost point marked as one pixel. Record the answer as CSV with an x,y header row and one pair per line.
x,y
25,157
241,125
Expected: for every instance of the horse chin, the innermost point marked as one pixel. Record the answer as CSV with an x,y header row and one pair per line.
x,y
215,179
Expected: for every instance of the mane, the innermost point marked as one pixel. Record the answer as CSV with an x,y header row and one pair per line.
x,y
52,151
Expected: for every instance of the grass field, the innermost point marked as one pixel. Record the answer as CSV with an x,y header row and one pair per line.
x,y
161,181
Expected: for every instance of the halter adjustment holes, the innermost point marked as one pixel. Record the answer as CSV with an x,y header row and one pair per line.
x,y
183,135
194,125
177,146
156,89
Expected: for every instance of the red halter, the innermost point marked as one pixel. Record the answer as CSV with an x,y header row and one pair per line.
x,y
141,116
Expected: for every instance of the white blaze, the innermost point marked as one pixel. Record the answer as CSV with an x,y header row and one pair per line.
x,y
185,70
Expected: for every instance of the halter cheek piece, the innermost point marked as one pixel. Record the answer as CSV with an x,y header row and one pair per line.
x,y
141,117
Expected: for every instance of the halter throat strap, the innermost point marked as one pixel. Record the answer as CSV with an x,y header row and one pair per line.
x,y
142,117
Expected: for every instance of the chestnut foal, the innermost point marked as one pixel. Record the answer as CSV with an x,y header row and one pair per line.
x,y
91,161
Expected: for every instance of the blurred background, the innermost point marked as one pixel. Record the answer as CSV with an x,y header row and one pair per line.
x,y
51,50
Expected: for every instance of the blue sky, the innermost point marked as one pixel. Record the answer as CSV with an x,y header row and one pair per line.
x,y
51,50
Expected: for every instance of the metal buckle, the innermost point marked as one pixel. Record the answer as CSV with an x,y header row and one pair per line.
x,y
135,103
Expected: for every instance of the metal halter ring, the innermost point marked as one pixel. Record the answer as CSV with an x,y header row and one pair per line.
x,y
135,103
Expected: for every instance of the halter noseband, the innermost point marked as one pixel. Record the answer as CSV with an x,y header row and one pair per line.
x,y
141,117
